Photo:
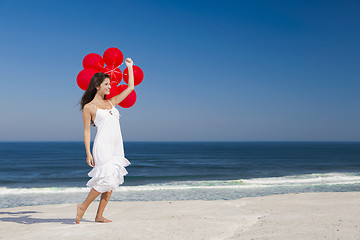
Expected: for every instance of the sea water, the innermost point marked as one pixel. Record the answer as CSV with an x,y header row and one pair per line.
x,y
34,173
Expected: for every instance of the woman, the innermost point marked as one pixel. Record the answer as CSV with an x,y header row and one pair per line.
x,y
108,160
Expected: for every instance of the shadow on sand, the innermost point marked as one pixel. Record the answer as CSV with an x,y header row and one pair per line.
x,y
25,217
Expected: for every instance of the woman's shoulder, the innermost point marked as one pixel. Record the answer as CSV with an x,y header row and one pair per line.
x,y
89,106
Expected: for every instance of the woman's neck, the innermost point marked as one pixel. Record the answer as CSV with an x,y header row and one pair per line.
x,y
99,98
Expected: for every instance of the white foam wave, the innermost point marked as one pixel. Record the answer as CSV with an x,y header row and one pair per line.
x,y
308,179
327,179
47,190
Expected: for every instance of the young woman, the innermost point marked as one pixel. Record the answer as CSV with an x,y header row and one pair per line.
x,y
108,160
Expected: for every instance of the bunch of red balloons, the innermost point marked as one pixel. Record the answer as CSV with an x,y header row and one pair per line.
x,y
112,57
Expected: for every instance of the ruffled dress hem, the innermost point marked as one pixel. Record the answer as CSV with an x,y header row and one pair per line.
x,y
107,177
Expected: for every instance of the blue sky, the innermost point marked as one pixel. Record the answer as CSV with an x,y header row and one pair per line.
x,y
214,70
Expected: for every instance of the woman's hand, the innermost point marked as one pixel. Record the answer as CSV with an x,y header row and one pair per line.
x,y
90,160
129,62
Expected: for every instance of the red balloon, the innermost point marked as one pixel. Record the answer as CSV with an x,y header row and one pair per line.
x,y
114,73
130,100
113,91
84,77
93,60
138,75
113,56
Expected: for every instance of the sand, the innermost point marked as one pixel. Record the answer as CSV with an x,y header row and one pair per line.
x,y
289,216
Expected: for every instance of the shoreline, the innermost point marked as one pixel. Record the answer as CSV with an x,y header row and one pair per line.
x,y
320,215
189,190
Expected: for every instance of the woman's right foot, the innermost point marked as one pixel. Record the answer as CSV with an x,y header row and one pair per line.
x,y
79,213
102,220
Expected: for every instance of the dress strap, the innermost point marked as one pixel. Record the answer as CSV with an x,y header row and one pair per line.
x,y
111,103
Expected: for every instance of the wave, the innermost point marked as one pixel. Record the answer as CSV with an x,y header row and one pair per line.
x,y
304,180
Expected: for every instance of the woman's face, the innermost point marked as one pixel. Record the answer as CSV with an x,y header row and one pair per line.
x,y
104,88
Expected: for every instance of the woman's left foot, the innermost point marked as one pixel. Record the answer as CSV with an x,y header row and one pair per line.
x,y
79,213
102,220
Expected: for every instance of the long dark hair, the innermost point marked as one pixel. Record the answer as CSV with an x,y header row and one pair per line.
x,y
90,92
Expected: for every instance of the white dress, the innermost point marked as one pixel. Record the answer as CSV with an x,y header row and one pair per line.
x,y
108,152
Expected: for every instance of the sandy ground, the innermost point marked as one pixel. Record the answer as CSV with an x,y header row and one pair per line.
x,y
290,216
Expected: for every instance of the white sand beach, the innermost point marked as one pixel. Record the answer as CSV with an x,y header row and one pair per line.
x,y
289,216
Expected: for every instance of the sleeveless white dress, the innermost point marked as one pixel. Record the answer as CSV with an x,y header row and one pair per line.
x,y
108,152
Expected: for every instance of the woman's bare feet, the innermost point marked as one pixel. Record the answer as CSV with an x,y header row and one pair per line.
x,y
79,213
102,220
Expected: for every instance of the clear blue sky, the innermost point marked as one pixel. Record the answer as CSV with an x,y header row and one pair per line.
x,y
214,70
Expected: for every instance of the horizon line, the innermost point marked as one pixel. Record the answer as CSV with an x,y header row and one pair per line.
x,y
183,141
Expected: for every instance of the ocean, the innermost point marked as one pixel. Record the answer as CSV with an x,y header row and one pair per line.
x,y
36,173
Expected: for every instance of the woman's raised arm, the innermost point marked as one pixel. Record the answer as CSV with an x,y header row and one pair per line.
x,y
118,98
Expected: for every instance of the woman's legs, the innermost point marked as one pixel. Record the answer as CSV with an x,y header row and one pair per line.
x,y
81,207
103,202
